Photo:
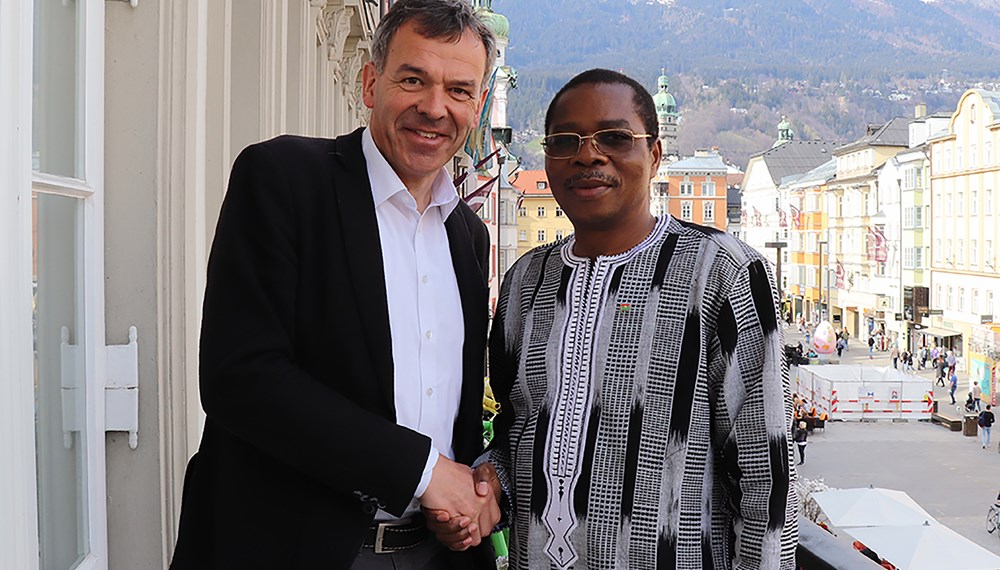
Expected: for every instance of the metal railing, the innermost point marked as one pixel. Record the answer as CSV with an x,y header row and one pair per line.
x,y
820,550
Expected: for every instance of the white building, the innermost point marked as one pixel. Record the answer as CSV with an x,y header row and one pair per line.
x,y
119,123
965,178
766,213
858,229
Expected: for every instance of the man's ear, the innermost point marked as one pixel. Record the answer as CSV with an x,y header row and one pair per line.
x,y
368,76
655,153
482,99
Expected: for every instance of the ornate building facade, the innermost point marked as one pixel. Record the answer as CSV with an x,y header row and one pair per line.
x,y
119,122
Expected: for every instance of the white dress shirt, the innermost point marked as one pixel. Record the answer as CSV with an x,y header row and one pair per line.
x,y
425,312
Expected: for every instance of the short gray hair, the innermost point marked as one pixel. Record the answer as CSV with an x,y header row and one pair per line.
x,y
448,19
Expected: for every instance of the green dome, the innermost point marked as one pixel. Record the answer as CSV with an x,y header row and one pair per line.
x,y
497,23
665,102
784,124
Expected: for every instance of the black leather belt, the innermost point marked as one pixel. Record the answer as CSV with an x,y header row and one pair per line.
x,y
394,536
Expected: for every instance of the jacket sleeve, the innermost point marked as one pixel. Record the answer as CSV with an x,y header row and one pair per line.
x,y
503,374
758,450
251,384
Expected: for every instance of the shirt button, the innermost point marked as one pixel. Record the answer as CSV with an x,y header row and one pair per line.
x,y
428,335
430,392
424,279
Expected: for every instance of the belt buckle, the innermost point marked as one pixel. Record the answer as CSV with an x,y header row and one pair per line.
x,y
380,536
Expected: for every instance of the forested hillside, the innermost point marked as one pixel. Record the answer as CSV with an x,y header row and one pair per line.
x,y
736,66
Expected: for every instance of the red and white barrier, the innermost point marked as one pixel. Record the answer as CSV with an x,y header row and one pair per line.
x,y
852,392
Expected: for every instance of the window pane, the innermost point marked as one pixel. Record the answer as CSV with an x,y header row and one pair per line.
x,y
59,382
56,97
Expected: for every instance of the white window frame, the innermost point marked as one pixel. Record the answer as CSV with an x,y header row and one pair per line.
x,y
689,206
708,211
19,538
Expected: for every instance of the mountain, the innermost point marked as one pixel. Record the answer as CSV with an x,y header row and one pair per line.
x,y
736,66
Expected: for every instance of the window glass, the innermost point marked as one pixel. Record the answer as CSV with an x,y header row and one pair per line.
x,y
55,93
59,381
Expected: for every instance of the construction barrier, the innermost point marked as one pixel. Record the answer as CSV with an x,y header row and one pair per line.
x,y
852,392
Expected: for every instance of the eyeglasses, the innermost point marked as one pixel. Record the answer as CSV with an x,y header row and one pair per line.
x,y
608,142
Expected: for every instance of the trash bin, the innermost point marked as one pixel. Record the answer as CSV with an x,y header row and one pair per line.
x,y
970,427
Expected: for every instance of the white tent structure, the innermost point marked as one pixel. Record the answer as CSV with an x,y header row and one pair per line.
x,y
926,547
871,506
852,392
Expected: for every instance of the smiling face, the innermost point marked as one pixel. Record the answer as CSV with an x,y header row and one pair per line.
x,y
425,102
601,193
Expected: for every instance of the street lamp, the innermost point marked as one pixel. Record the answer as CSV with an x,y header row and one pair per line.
x,y
777,245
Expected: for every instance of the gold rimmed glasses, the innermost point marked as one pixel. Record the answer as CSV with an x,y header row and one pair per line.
x,y
608,142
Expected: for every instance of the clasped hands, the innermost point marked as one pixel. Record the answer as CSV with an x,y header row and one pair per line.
x,y
461,505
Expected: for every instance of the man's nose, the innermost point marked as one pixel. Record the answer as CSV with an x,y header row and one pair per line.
x,y
432,104
589,154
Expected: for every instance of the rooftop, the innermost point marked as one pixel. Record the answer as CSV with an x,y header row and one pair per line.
x,y
796,157
819,175
894,133
699,163
528,181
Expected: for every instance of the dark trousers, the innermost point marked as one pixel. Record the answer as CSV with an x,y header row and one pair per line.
x,y
802,452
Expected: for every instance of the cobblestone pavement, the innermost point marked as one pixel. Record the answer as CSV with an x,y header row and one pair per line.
x,y
948,474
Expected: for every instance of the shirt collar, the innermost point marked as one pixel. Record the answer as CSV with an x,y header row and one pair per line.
x,y
386,183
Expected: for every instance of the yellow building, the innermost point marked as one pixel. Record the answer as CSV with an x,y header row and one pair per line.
x,y
965,207
540,220
809,260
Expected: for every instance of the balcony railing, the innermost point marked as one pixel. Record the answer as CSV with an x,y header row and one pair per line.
x,y
820,550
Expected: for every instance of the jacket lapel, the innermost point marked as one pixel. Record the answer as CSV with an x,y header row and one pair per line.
x,y
364,256
472,289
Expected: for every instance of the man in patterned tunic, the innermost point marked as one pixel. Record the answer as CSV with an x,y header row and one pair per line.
x,y
644,400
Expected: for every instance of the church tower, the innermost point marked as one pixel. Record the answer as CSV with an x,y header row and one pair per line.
x,y
666,116
785,132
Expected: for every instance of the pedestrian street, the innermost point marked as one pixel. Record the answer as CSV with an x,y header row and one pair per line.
x,y
946,473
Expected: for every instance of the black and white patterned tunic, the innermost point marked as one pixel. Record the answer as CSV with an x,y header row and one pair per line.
x,y
645,407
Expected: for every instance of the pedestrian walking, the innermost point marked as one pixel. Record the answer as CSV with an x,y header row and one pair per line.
x,y
952,361
986,419
923,357
800,436
808,337
953,387
871,346
840,346
977,395
847,338
939,363
894,355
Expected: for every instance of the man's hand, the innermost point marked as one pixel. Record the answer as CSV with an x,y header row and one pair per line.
x,y
460,529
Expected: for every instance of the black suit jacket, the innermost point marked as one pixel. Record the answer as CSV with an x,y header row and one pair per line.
x,y
300,446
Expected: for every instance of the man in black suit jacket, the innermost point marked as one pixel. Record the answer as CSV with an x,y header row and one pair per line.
x,y
302,449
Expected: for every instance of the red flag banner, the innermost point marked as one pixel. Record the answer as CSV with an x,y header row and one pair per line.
x,y
878,247
782,219
840,275
757,222
479,197
796,216
743,217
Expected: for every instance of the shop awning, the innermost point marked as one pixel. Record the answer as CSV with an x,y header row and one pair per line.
x,y
939,332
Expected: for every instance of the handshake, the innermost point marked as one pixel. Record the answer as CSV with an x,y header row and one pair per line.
x,y
461,505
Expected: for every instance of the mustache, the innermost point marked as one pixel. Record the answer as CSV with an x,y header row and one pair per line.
x,y
594,175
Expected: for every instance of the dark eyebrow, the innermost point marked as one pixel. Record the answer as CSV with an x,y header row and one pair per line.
x,y
601,125
407,68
